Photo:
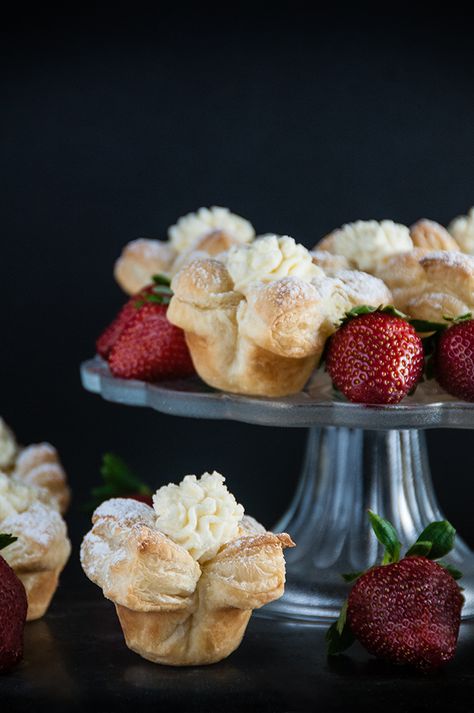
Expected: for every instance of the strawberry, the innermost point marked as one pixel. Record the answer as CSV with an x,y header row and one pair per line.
x,y
119,481
110,335
406,611
453,359
150,348
375,357
142,343
13,608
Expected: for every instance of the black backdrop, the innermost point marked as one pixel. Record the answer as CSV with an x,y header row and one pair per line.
x,y
113,126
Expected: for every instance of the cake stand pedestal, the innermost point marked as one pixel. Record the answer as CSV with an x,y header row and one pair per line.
x,y
357,457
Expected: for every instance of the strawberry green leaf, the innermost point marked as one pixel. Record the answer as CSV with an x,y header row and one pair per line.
x,y
420,549
453,571
424,326
387,536
339,636
6,540
368,309
351,576
460,318
119,475
361,309
441,534
160,279
160,298
390,309
341,622
118,481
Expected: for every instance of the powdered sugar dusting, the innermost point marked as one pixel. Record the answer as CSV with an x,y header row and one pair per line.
x,y
363,287
125,509
40,524
450,259
150,249
292,289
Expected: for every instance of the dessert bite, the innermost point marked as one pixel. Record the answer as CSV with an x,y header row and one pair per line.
x,y
430,235
41,548
395,254
462,230
431,285
366,243
185,574
256,322
209,231
37,466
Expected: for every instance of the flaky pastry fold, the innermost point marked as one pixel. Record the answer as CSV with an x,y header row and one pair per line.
x,y
39,554
39,466
431,285
172,609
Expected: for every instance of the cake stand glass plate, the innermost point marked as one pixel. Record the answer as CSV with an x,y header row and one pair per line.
x,y
357,457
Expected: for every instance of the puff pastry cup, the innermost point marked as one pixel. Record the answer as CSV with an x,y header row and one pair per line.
x,y
257,322
432,285
369,244
42,548
423,266
37,465
208,232
172,609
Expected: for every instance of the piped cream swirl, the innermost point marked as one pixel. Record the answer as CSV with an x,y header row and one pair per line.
x,y
199,514
270,258
193,226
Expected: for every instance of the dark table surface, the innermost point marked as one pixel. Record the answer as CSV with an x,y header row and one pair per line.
x,y
76,660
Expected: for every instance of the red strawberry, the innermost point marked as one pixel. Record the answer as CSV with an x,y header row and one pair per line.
x,y
375,357
110,335
454,360
13,608
405,611
150,348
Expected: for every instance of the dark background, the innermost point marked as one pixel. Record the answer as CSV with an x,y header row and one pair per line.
x,y
112,126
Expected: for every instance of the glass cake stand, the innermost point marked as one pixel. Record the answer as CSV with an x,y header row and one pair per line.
x,y
357,457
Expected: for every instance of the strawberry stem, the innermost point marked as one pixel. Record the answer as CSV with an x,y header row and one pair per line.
x,y
118,481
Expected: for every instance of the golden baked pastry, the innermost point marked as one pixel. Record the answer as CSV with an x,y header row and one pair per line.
x,y
37,465
367,242
462,230
429,235
42,548
209,231
329,262
184,598
257,322
432,285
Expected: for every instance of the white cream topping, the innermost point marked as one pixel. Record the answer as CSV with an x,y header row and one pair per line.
x,y
366,242
462,230
199,514
14,498
8,445
193,226
270,258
